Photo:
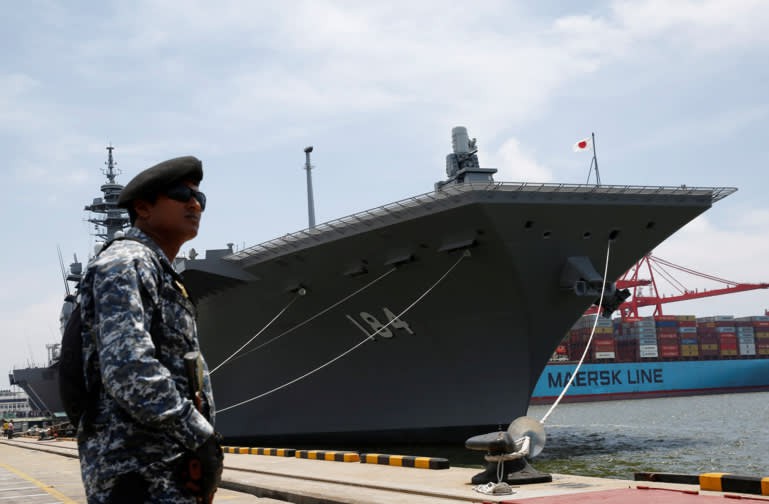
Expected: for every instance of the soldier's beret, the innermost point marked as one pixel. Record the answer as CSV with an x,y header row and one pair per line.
x,y
158,177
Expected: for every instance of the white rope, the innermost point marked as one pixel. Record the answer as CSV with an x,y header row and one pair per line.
x,y
587,346
300,324
351,349
225,361
500,488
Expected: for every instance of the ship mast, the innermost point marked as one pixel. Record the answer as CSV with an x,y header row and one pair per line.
x,y
106,216
310,203
108,220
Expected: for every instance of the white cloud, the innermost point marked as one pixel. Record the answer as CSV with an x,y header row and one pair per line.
x,y
14,89
706,25
735,253
515,165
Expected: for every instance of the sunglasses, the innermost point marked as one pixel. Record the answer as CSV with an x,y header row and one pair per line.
x,y
181,192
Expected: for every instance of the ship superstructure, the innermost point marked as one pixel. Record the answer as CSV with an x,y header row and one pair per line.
x,y
41,383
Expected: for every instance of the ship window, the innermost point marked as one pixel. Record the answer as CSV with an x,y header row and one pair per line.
x,y
614,234
587,235
528,224
546,234
650,225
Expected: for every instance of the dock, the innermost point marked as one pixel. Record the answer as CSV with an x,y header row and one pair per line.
x,y
43,472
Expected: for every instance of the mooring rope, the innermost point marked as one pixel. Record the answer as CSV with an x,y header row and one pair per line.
x,y
225,361
354,347
503,488
590,340
331,307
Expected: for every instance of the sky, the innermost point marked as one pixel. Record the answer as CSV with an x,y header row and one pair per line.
x,y
672,90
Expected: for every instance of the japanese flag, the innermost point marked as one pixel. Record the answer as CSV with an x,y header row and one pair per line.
x,y
582,145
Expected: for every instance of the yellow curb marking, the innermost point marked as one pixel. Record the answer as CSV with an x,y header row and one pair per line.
x,y
46,488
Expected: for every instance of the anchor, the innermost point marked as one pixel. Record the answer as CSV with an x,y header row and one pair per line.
x,y
507,453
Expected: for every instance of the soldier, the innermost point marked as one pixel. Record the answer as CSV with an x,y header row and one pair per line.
x,y
143,434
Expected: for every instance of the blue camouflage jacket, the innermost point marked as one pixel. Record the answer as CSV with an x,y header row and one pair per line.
x,y
144,415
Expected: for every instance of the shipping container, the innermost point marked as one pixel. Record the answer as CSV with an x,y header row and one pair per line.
x,y
688,350
667,337
747,349
716,318
668,351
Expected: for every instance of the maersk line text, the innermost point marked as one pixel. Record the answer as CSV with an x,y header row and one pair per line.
x,y
606,377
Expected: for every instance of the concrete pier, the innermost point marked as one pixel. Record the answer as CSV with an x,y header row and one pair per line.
x,y
49,472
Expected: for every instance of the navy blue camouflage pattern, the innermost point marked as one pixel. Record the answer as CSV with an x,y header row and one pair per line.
x,y
144,420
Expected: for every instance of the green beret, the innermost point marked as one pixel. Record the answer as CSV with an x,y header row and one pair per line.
x,y
162,175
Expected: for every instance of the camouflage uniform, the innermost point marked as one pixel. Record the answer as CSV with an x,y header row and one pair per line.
x,y
143,422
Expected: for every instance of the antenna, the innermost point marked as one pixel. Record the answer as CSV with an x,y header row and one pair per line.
x,y
63,271
111,172
310,203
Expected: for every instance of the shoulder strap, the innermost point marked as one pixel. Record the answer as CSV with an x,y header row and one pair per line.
x,y
164,263
156,316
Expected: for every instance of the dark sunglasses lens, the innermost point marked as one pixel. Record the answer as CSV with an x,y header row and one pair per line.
x,y
183,193
201,199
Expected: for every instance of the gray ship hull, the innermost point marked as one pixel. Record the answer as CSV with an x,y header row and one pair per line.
x,y
41,384
485,267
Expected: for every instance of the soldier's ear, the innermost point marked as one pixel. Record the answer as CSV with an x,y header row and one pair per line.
x,y
142,208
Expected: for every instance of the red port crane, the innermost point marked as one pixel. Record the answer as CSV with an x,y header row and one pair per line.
x,y
656,265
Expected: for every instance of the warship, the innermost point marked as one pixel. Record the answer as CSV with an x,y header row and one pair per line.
x,y
41,383
429,319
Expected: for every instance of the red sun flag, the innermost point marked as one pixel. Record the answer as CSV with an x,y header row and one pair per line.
x,y
582,145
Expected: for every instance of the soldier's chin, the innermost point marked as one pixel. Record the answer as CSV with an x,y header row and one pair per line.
x,y
191,233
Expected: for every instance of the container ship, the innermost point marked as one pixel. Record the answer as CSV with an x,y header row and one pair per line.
x,y
429,319
658,356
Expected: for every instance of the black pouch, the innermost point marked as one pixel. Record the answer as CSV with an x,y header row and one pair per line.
x,y
130,488
200,477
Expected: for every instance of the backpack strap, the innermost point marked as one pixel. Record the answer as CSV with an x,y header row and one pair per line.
x,y
166,267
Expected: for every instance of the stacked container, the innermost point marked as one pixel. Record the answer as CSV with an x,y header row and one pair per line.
x,y
718,336
602,347
666,327
761,333
667,337
627,343
687,334
646,331
746,335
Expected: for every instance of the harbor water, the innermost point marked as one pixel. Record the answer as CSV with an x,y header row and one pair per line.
x,y
615,439
722,433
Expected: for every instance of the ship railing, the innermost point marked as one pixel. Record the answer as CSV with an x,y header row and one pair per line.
x,y
446,197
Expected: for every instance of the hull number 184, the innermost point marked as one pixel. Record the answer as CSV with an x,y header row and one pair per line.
x,y
377,326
